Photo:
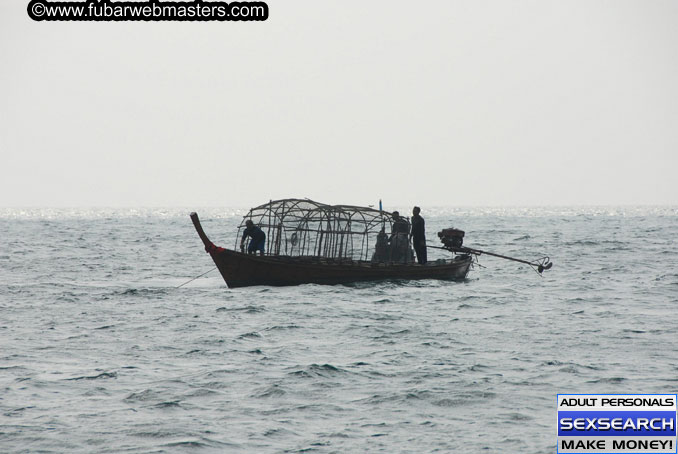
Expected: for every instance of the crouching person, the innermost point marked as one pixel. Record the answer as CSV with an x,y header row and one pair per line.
x,y
258,238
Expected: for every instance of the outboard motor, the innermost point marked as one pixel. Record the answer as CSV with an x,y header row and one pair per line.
x,y
452,238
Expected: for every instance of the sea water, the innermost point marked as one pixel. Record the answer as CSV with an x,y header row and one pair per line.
x,y
101,352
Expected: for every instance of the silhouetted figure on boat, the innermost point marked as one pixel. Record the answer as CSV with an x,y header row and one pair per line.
x,y
400,244
381,249
258,238
400,224
418,235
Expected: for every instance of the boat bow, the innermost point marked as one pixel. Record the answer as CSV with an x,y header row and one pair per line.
x,y
209,246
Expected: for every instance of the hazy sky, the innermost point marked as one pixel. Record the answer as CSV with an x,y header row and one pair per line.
x,y
435,103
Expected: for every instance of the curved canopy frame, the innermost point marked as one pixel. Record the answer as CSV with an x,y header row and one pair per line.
x,y
304,228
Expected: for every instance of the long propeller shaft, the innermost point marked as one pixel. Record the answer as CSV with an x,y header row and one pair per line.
x,y
542,264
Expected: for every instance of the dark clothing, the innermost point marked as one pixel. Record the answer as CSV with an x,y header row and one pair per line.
x,y
381,249
256,246
399,243
420,249
255,233
419,238
258,238
418,228
400,226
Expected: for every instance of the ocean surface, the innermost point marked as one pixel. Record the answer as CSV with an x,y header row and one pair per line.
x,y
100,352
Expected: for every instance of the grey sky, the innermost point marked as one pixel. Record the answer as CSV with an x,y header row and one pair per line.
x,y
435,103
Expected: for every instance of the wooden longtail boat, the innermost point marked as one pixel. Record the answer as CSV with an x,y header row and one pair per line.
x,y
309,242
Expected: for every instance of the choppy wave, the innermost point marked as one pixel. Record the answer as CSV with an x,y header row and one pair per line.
x,y
101,352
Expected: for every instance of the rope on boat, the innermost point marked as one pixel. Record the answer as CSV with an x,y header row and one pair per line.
x,y
187,282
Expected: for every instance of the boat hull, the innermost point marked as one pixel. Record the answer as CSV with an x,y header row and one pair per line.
x,y
242,270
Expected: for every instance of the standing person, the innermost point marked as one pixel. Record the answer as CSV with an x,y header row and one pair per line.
x,y
418,235
258,238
